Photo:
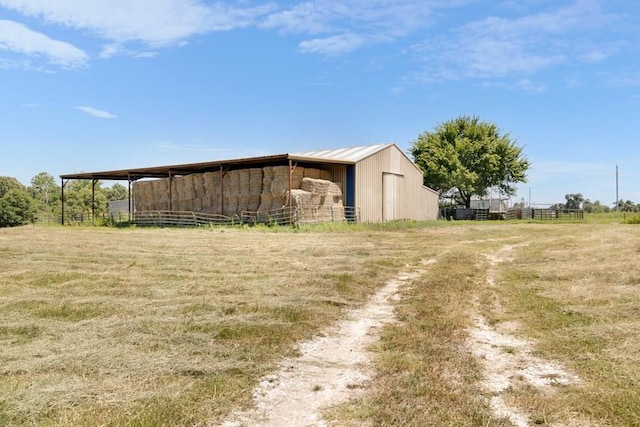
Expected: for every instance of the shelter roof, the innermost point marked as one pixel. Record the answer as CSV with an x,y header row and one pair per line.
x,y
350,155
180,169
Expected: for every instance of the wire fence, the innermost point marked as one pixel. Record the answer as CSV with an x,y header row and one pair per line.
x,y
158,218
523,214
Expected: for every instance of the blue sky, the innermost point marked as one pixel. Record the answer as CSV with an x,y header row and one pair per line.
x,y
90,85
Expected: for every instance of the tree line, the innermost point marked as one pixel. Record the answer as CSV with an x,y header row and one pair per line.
x,y
20,204
577,201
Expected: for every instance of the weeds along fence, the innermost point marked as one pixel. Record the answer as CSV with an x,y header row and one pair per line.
x,y
158,218
282,216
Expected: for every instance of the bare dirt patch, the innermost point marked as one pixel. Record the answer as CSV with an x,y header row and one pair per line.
x,y
331,369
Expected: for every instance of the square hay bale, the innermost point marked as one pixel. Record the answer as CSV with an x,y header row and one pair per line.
x,y
325,174
311,173
256,176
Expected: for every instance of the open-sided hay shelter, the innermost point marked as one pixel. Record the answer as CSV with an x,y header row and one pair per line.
x,y
372,183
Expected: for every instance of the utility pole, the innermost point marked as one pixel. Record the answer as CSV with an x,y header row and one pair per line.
x,y
617,199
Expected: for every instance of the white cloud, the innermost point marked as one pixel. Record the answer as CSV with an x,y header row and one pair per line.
x,y
95,112
347,25
18,38
116,49
333,45
157,23
495,47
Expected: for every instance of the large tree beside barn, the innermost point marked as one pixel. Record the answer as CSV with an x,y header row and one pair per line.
x,y
465,156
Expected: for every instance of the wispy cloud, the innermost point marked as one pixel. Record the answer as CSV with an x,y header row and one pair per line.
x,y
134,28
495,47
332,45
352,24
19,38
162,22
95,112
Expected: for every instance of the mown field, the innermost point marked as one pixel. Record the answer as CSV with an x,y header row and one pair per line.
x,y
151,327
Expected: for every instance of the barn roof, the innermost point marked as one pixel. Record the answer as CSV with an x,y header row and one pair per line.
x,y
350,155
342,155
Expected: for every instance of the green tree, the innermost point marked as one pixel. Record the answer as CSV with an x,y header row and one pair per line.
x,y
16,205
595,207
627,206
8,183
78,199
465,157
45,191
574,201
116,192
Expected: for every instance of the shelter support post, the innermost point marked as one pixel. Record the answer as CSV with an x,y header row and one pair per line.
x,y
93,200
222,174
170,190
292,167
64,183
129,196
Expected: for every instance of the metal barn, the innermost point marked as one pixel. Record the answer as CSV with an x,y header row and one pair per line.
x,y
378,181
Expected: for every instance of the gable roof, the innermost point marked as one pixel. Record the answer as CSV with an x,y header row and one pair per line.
x,y
341,155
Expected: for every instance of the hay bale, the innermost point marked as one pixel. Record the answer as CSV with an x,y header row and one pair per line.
x,y
311,173
266,199
254,189
300,198
325,174
188,192
198,184
256,176
143,195
318,200
231,188
150,195
211,199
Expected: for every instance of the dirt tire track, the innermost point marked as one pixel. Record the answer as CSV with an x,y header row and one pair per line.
x,y
507,359
331,369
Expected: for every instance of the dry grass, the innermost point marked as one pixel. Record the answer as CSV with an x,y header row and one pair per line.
x,y
162,327
174,327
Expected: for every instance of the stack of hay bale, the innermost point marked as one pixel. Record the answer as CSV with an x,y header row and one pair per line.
x,y
318,200
231,189
211,192
275,186
253,189
151,195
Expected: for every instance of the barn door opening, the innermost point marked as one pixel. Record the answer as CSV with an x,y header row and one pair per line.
x,y
392,200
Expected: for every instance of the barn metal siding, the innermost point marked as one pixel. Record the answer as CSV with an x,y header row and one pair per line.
x,y
413,201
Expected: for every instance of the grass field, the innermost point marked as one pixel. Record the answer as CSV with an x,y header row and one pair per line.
x,y
150,327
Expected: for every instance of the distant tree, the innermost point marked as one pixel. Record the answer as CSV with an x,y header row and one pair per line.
x,y
574,201
78,198
627,206
595,207
465,157
45,191
16,204
116,192
8,183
